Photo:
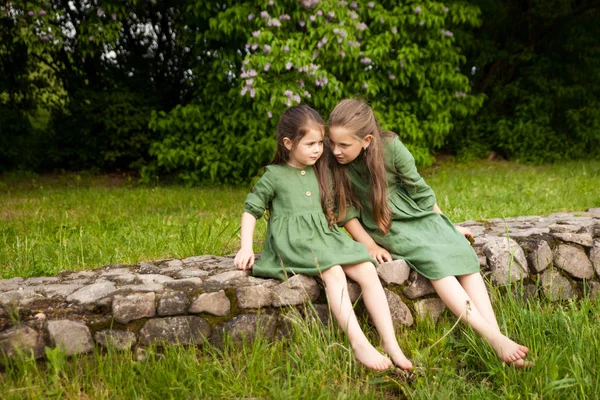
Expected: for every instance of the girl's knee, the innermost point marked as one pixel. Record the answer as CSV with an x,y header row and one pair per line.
x,y
334,274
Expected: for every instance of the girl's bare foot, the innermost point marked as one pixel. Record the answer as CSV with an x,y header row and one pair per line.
x,y
521,364
397,355
507,350
370,357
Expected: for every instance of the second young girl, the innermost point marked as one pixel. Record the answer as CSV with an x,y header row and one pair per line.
x,y
399,219
302,237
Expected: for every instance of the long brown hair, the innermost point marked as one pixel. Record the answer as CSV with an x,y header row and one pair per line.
x,y
293,124
357,117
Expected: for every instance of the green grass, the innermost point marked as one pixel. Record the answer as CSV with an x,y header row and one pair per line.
x,y
71,221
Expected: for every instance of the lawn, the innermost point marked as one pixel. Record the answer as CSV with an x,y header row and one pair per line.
x,y
80,221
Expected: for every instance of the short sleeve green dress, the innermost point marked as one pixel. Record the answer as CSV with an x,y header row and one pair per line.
x,y
299,239
427,240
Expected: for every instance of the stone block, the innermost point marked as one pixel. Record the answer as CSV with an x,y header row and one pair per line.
x,y
394,272
555,286
574,261
245,327
216,303
595,257
134,306
115,339
506,260
429,308
172,303
254,296
189,329
400,312
21,340
418,286
74,337
296,290
540,257
91,293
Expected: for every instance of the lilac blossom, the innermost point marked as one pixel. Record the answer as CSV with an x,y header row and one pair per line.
x,y
285,17
391,77
41,13
289,65
354,5
301,23
267,48
264,15
274,22
253,93
256,34
30,13
362,26
286,48
418,10
421,23
446,9
371,4
394,30
113,16
267,66
250,17
269,114
307,94
366,60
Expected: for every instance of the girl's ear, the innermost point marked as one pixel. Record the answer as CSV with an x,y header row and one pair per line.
x,y
367,141
288,143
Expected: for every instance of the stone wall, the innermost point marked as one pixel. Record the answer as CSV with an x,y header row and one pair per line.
x,y
202,298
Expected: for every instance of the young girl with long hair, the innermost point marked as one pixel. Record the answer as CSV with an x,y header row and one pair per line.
x,y
396,216
302,237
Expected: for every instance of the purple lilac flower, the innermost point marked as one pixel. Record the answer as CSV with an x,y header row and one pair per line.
x,y
307,94
250,17
301,23
285,17
365,85
353,15
267,66
269,114
270,2
366,60
267,48
331,15
30,13
288,65
447,33
44,38
288,93
362,26
256,34
312,18
252,93
421,23
264,15
371,4
301,82
446,9
394,30
381,20
296,98
99,12
354,5
91,38
342,53
286,48
254,46
274,22
244,90
319,13
391,77
41,13
418,10
113,16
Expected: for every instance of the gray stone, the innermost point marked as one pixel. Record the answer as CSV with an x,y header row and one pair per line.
x,y
189,329
216,303
482,261
85,276
92,293
124,279
584,239
318,311
564,228
41,281
149,287
172,304
429,308
354,291
595,257
244,328
74,337
574,261
418,286
115,339
21,340
154,278
115,271
191,284
555,286
296,290
594,210
254,296
192,273
11,284
594,290
394,272
540,257
400,312
21,297
134,306
148,268
63,290
506,260
227,277
173,264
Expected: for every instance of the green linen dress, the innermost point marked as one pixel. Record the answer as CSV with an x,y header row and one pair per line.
x,y
299,239
427,240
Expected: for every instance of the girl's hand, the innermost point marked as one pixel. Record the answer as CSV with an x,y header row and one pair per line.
x,y
244,259
465,232
379,253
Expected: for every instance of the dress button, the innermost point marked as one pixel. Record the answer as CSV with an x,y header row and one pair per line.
x,y
308,193
302,172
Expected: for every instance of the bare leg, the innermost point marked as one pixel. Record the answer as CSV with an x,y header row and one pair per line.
x,y
457,299
476,290
376,302
336,288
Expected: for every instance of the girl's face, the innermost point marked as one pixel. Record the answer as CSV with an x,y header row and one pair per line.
x,y
307,151
345,145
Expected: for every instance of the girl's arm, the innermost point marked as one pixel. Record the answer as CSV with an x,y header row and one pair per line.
x,y
359,234
244,259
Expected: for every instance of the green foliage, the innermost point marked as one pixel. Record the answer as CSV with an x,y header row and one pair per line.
x,y
536,63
